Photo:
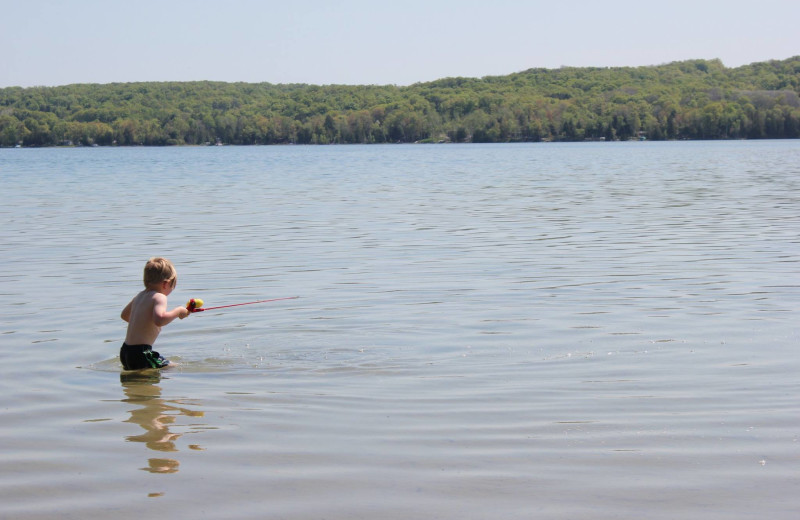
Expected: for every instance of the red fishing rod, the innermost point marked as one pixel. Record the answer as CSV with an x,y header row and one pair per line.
x,y
196,304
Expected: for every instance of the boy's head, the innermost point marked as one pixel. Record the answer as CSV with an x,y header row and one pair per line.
x,y
159,270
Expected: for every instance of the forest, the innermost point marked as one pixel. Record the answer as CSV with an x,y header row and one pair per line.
x,y
695,99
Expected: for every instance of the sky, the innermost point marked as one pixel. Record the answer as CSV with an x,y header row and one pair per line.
x,y
358,42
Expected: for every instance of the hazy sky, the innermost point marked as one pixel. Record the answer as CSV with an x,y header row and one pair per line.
x,y
44,42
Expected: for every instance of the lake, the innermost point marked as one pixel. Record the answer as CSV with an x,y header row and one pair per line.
x,y
588,330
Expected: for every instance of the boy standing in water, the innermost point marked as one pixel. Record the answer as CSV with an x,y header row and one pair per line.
x,y
147,313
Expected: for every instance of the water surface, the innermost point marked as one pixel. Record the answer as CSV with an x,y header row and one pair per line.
x,y
599,330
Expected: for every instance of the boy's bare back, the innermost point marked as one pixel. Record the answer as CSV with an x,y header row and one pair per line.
x,y
142,311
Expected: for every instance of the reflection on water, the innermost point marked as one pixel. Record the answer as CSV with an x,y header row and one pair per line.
x,y
155,415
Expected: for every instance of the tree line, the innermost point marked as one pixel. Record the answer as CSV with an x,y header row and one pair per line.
x,y
695,99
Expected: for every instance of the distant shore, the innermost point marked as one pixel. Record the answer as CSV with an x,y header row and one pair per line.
x,y
688,100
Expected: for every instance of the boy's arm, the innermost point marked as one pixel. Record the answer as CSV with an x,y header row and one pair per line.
x,y
126,312
161,316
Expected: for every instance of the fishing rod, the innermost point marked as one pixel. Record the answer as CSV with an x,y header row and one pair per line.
x,y
196,304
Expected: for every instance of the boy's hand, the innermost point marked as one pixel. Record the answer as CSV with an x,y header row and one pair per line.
x,y
182,312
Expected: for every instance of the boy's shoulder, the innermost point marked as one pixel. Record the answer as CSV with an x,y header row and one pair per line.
x,y
148,295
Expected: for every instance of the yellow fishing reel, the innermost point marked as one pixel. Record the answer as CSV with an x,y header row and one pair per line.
x,y
194,305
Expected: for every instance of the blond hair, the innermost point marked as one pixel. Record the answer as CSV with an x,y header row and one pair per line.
x,y
159,270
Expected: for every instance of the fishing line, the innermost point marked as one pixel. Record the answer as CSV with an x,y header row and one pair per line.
x,y
196,304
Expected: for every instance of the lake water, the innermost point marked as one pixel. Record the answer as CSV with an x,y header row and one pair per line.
x,y
530,331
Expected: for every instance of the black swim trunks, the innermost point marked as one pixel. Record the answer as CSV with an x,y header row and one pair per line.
x,y
135,357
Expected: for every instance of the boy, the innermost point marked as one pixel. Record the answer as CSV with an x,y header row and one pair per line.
x,y
147,313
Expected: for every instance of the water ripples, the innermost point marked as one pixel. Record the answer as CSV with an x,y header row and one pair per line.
x,y
546,330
